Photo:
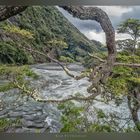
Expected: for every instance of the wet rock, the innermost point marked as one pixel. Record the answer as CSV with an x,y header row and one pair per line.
x,y
56,126
3,112
3,116
31,117
14,114
18,109
10,108
28,110
31,124
42,117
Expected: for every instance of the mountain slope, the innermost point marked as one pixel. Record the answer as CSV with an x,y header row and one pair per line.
x,y
45,24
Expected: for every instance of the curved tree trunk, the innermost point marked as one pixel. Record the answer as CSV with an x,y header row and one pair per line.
x,y
102,72
97,14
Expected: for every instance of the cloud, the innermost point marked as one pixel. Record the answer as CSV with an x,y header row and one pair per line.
x,y
100,36
116,11
122,36
135,13
82,25
117,14
93,35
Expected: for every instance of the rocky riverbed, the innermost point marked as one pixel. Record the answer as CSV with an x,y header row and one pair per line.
x,y
36,116
55,84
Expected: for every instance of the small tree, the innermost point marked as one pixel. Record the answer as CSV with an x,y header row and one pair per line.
x,y
132,28
126,45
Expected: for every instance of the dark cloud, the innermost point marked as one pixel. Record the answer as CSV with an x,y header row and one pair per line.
x,y
88,25
135,13
82,25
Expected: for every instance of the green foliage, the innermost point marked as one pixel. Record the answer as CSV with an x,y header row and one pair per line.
x,y
100,128
41,27
55,47
57,44
117,86
71,118
6,123
16,70
15,73
74,121
100,114
12,45
6,87
92,62
124,77
66,59
11,54
127,58
129,129
130,26
17,30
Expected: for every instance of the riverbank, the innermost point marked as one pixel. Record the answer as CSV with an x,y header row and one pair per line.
x,y
52,83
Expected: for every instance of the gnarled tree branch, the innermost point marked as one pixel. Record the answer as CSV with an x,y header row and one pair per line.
x,y
133,65
96,57
35,95
9,11
101,72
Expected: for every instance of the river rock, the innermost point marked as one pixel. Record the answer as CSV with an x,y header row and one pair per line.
x,y
31,124
14,114
3,112
33,117
3,116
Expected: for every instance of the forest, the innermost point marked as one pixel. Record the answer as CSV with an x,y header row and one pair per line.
x,y
54,79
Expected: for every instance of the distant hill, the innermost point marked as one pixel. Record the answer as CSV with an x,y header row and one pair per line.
x,y
44,23
99,45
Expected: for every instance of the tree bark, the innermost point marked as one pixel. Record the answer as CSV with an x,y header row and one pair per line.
x,y
9,11
97,14
133,65
101,72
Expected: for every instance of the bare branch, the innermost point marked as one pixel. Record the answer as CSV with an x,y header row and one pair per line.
x,y
133,65
101,72
35,95
96,57
64,67
52,59
97,14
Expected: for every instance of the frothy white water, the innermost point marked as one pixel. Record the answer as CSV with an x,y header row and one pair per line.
x,y
60,85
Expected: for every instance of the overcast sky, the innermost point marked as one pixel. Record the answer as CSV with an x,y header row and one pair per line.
x,y
117,14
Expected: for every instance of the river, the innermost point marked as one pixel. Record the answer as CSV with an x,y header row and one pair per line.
x,y
53,83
